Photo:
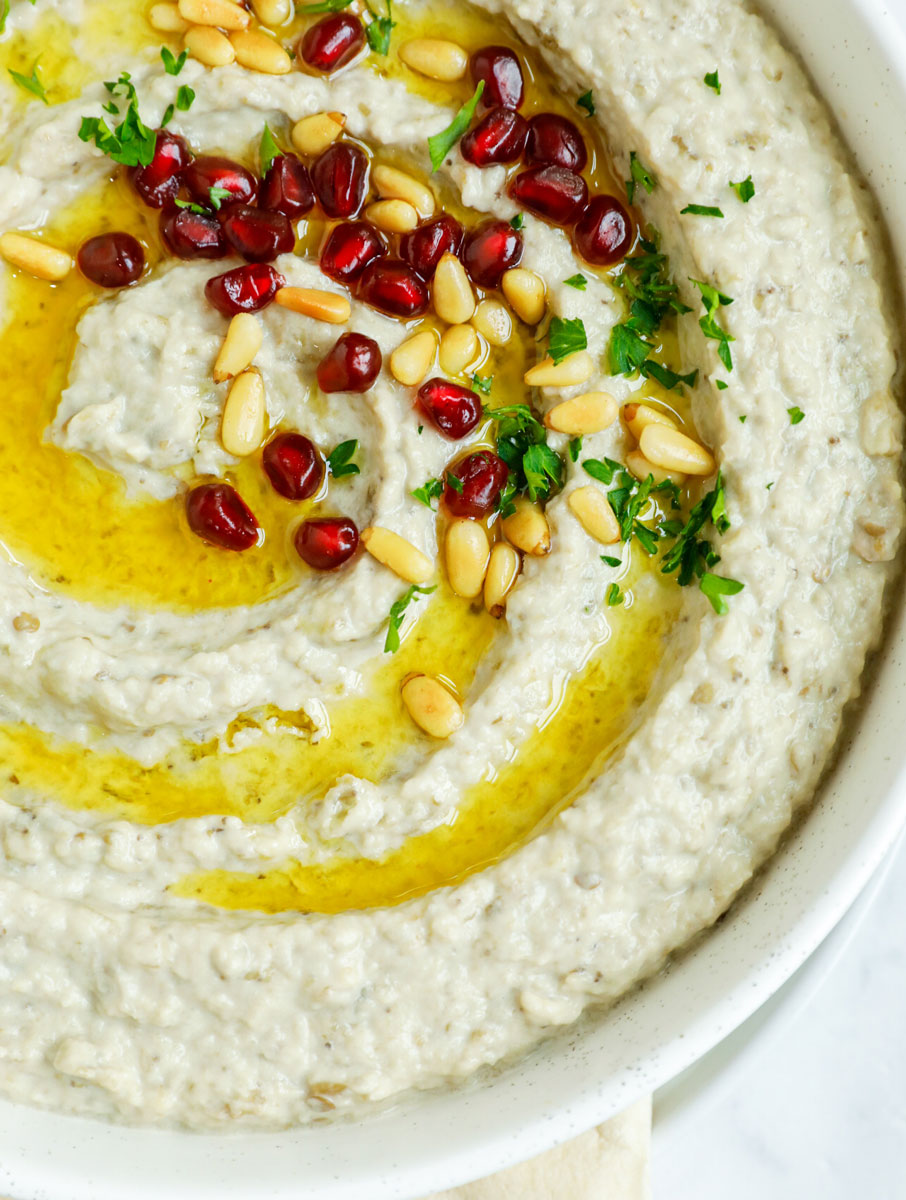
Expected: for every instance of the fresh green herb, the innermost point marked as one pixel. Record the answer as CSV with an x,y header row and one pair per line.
x,y
217,195
796,415
379,30
575,448
715,587
566,337
440,145
518,221
268,150
614,595
4,13
536,470
638,173
587,102
602,470
172,64
482,383
419,430
611,560
576,281
768,486
339,460
431,490
721,385
131,142
667,378
185,98
398,611
713,300
455,483
701,210
323,6
692,557
712,80
742,419
745,189
31,83
190,205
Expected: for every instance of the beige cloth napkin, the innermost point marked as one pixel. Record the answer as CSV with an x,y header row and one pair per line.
x,y
607,1163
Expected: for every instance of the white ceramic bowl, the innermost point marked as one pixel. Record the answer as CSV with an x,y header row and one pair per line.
x,y
856,53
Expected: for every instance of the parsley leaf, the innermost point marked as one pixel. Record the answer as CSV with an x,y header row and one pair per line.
x,y
379,30
440,145
713,300
745,189
172,64
611,560
431,489
715,587
712,80
131,142
518,221
536,469
701,210
398,611
576,281
455,483
638,173
482,383
602,470
216,195
721,384
338,461
195,208
566,337
691,556
796,415
4,13
185,98
324,6
268,149
31,83
575,448
587,101
614,595
667,378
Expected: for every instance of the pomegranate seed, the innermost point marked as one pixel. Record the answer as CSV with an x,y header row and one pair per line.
x,y
425,246
218,514
394,288
351,365
604,232
286,188
452,409
210,172
189,234
112,260
554,193
498,138
257,235
491,249
326,542
340,176
293,466
158,182
349,249
553,140
482,476
499,67
332,42
244,289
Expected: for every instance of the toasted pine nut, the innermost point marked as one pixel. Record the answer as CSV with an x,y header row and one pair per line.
x,y
25,622
397,185
637,416
257,51
393,216
493,322
589,413
435,58
313,302
36,257
225,14
641,468
525,292
592,508
673,451
503,571
411,361
209,46
527,528
459,348
577,368
312,135
244,419
395,552
454,300
241,344
432,706
166,19
273,12
466,552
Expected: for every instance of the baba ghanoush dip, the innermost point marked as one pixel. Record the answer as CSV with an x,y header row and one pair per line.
x,y
449,480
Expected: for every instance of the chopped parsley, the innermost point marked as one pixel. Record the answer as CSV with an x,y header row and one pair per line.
x,y
172,64
576,281
217,195
130,142
701,210
398,611
587,102
536,469
323,6
575,448
379,29
614,595
455,483
745,189
712,80
638,173
715,587
713,301
721,385
185,98
431,490
611,560
268,149
796,415
518,221
339,460
31,83
482,383
190,205
742,418
665,377
440,145
566,337
4,13
692,557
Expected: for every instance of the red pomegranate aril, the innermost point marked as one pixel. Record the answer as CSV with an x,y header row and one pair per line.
x,y
209,172
158,182
604,233
332,42
451,409
286,188
557,195
555,141
425,246
219,515
112,260
189,234
498,137
293,466
494,247
499,67
349,249
394,288
340,178
244,289
256,234
483,476
351,365
325,543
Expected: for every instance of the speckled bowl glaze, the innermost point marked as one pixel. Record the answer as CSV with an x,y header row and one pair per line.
x,y
857,56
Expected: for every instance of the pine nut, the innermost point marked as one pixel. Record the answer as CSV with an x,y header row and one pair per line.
x,y
459,348
589,413
673,451
435,58
25,622
493,322
223,13
165,18
592,509
400,556
209,46
272,12
392,184
467,552
241,344
641,468
432,706
312,302
526,293
36,257
393,216
244,420
257,51
577,368
503,571
527,528
312,135
411,361
637,416
454,300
